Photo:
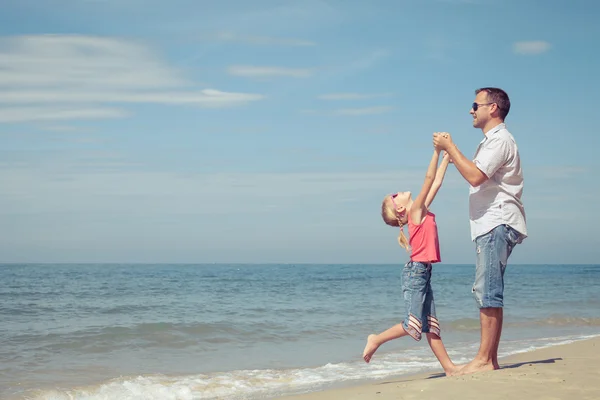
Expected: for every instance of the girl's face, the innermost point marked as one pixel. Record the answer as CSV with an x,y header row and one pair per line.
x,y
400,200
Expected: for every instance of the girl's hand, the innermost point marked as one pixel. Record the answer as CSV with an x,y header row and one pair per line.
x,y
447,156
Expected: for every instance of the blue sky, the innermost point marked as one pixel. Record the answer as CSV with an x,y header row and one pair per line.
x,y
270,131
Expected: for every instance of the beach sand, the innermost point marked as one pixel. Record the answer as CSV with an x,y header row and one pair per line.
x,y
570,371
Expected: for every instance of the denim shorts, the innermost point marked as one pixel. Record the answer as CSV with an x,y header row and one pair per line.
x,y
418,300
493,250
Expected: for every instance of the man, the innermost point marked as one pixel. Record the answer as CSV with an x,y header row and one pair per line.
x,y
496,213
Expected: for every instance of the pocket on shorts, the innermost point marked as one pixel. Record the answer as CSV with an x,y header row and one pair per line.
x,y
419,276
513,237
419,269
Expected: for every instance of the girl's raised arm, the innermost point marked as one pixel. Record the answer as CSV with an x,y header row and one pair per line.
x,y
439,178
418,207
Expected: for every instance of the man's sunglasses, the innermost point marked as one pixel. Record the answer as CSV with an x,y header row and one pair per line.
x,y
476,106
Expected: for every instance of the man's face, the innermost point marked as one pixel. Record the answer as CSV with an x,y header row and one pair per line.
x,y
482,115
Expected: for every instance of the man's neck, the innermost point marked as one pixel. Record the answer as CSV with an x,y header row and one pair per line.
x,y
491,124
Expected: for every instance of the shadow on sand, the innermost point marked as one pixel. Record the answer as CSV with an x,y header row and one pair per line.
x,y
506,366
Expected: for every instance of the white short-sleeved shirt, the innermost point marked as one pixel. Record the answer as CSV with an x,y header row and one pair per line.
x,y
498,200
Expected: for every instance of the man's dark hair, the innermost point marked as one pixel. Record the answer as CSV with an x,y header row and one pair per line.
x,y
498,96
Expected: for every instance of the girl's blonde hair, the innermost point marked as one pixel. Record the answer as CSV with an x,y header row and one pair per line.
x,y
390,217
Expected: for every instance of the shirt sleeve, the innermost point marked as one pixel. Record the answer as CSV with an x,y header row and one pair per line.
x,y
493,154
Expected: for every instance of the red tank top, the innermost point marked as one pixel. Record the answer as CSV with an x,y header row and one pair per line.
x,y
423,240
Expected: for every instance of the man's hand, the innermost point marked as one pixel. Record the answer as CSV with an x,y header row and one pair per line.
x,y
442,140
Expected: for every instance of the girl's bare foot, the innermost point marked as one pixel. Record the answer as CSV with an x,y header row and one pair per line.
x,y
454,370
370,348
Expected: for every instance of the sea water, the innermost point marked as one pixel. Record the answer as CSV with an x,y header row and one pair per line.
x,y
224,331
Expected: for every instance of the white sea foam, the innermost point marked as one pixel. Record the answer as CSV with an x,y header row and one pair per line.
x,y
255,384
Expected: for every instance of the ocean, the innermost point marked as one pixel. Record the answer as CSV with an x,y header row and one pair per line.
x,y
251,331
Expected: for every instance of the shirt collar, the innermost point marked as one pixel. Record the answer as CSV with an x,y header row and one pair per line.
x,y
492,131
495,129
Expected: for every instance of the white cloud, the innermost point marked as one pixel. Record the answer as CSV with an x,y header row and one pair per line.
x,y
101,204
261,40
439,48
351,96
351,111
262,72
207,97
65,128
57,60
368,61
359,62
51,113
102,201
380,129
460,1
65,188
84,72
531,47
554,172
364,110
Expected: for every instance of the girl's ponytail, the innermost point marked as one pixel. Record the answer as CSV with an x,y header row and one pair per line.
x,y
402,241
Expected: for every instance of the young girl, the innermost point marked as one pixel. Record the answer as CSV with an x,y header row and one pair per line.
x,y
398,210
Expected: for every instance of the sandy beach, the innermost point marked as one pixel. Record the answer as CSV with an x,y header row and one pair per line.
x,y
570,371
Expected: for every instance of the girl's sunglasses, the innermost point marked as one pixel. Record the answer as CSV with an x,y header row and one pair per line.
x,y
393,196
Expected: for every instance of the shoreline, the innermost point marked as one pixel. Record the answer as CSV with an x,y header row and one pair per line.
x,y
563,371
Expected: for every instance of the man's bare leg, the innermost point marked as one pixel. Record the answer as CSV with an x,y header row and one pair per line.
x,y
491,320
374,341
495,352
442,355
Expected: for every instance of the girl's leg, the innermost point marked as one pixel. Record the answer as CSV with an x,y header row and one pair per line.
x,y
442,355
409,290
374,341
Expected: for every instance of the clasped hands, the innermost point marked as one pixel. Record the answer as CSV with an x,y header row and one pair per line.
x,y
442,141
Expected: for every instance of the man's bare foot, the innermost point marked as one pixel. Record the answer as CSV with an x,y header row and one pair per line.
x,y
370,348
476,366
